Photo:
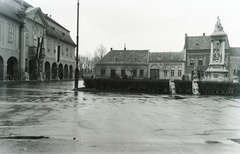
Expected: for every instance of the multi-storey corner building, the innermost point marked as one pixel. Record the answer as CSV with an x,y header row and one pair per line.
x,y
201,52
32,45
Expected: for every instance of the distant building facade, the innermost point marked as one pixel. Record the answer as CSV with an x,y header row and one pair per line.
x,y
28,40
166,65
124,63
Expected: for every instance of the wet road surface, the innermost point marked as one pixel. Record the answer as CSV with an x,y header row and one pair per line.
x,y
49,117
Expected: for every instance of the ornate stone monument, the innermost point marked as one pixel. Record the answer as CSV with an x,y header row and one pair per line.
x,y
217,68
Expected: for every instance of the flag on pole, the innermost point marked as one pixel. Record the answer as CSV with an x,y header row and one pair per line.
x,y
57,53
38,47
41,47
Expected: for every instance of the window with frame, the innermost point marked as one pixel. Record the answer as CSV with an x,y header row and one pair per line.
x,y
103,72
62,50
165,72
192,62
66,51
172,72
10,33
35,40
27,39
134,73
179,73
0,31
141,73
71,55
122,72
200,62
49,46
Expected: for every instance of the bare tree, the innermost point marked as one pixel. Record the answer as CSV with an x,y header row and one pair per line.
x,y
99,53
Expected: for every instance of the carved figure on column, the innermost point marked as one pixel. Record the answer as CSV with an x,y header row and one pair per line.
x,y
217,51
218,25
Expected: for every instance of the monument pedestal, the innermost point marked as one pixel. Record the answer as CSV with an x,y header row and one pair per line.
x,y
217,68
217,72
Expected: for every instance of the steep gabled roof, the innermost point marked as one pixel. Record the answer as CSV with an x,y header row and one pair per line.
x,y
166,56
31,12
235,52
125,56
9,11
201,43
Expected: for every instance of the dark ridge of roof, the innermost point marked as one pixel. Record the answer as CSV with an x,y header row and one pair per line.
x,y
9,11
53,21
201,43
25,4
166,56
235,51
126,56
65,37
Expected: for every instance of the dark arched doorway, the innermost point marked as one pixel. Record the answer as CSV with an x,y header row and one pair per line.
x,y
12,69
32,69
1,68
47,71
70,72
54,71
66,71
60,71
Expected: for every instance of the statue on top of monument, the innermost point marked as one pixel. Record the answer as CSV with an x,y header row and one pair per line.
x,y
218,26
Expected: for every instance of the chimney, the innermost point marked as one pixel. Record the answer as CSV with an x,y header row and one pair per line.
x,y
124,46
111,49
203,34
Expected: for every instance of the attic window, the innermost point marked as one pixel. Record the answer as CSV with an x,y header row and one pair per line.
x,y
116,58
63,34
197,45
159,57
135,58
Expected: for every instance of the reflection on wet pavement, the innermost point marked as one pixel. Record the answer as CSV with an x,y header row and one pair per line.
x,y
114,122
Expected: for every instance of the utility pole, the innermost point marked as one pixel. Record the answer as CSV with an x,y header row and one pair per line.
x,y
77,69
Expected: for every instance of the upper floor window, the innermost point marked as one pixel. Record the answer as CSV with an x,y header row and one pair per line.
x,y
35,40
200,62
179,72
10,33
141,73
62,50
172,72
165,72
66,51
103,72
27,39
0,31
134,73
71,54
122,72
192,62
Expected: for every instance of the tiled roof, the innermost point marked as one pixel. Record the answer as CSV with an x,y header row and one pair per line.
x,y
166,56
201,43
235,52
65,37
8,11
127,56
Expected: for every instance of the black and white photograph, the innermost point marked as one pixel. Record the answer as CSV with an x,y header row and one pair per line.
x,y
119,76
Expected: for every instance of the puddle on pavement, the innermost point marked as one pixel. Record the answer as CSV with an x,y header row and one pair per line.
x,y
25,137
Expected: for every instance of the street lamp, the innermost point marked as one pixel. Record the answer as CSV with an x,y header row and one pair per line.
x,y
77,69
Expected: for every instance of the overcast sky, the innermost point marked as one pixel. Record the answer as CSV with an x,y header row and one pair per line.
x,y
157,25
